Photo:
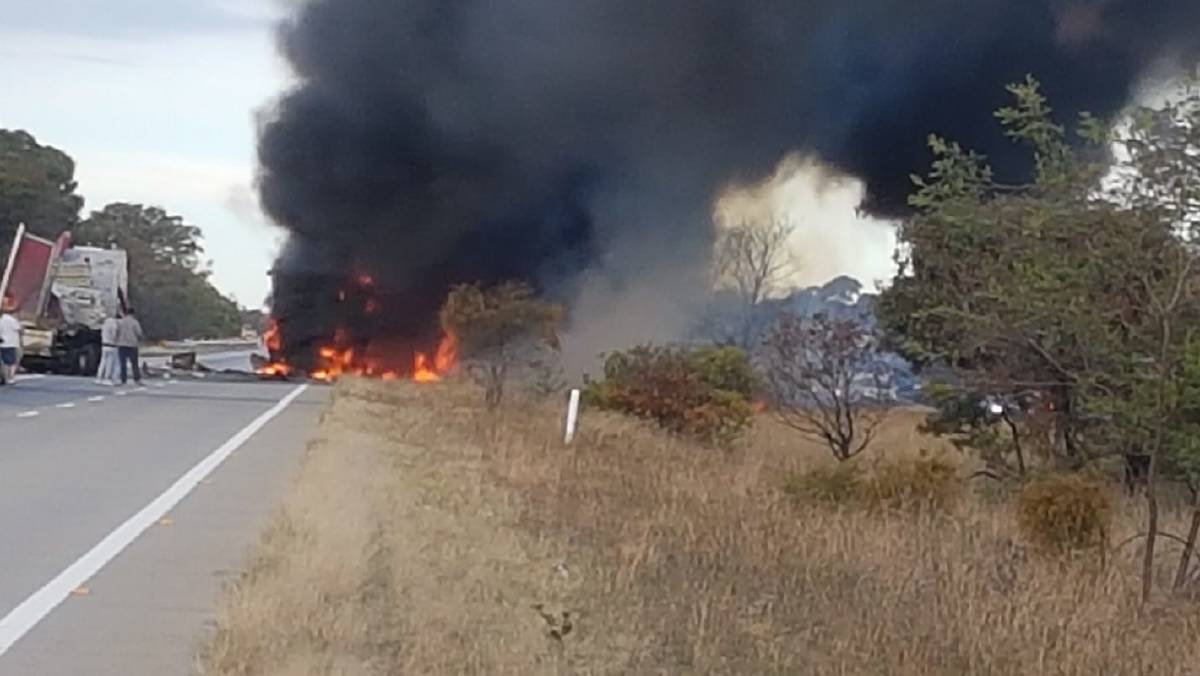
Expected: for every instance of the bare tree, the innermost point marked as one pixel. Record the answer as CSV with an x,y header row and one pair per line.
x,y
752,261
826,380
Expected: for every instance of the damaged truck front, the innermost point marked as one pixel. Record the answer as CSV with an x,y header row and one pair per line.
x,y
62,294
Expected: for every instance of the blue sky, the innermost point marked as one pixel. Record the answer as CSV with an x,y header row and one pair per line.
x,y
156,101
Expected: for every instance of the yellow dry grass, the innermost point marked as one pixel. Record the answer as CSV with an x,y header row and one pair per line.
x,y
422,530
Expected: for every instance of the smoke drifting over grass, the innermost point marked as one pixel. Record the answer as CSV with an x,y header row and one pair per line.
x,y
581,145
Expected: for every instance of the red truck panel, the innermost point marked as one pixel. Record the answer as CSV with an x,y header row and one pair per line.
x,y
27,275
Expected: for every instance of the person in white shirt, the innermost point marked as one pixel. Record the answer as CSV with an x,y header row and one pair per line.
x,y
10,344
109,362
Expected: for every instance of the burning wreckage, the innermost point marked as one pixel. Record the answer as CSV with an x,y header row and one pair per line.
x,y
350,350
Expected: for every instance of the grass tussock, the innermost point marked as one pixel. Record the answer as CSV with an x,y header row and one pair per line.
x,y
1065,512
901,484
423,530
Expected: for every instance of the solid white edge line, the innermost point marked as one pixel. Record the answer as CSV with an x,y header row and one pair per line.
x,y
29,376
34,609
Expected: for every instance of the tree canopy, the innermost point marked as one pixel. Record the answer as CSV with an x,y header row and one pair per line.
x,y
149,230
1074,300
168,283
37,188
168,287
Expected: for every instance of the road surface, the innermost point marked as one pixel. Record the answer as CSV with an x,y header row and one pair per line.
x,y
122,510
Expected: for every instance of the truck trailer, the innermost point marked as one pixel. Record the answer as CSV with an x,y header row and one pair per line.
x,y
61,294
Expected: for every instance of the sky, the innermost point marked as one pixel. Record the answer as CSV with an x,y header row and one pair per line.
x,y
156,100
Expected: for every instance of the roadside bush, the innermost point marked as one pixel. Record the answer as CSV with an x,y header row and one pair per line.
x,y
913,484
908,484
836,485
725,369
1064,512
703,392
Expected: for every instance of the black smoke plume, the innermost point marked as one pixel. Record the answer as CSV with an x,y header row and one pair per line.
x,y
430,142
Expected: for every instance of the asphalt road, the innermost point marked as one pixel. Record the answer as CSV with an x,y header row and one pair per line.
x,y
123,509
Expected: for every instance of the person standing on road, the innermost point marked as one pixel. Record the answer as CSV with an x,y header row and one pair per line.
x,y
129,336
10,343
109,358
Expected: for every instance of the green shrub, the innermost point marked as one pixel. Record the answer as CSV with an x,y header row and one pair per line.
x,y
726,369
1064,512
836,485
704,393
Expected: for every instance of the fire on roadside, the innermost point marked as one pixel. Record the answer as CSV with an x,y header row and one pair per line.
x,y
273,341
335,360
443,361
341,357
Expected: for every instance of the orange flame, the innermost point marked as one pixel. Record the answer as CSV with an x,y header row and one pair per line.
x,y
337,359
421,371
443,362
273,340
275,370
447,354
272,337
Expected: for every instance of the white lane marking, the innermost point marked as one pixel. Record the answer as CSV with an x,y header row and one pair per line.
x,y
122,394
95,399
69,404
35,608
29,414
29,376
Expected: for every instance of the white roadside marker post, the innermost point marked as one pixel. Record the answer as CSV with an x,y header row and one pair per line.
x,y
572,417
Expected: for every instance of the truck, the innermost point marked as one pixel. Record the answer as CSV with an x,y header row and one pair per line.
x,y
61,294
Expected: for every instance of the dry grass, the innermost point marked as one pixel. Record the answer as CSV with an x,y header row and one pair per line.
x,y
422,529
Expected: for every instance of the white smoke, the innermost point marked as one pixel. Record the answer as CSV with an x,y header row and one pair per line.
x,y
831,237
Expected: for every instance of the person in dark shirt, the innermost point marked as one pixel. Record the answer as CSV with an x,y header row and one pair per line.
x,y
129,337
